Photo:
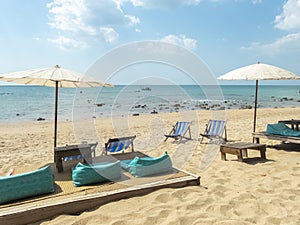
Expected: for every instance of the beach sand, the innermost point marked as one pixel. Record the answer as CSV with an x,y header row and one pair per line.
x,y
231,192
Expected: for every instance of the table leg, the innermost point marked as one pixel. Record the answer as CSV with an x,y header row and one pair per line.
x,y
244,153
223,156
240,155
59,165
263,153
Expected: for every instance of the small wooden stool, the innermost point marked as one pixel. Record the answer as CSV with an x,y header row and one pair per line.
x,y
240,149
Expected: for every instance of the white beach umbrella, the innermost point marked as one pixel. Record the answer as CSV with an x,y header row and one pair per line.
x,y
53,77
259,71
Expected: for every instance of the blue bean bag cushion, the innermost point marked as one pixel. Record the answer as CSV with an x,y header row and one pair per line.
x,y
24,185
282,129
146,166
95,173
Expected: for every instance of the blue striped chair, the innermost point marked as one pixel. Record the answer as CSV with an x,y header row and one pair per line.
x,y
215,130
116,145
179,130
76,157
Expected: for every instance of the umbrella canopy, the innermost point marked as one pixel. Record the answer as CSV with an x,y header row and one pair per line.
x,y
259,71
53,77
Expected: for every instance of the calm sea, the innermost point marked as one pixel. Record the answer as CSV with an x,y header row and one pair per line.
x,y
28,103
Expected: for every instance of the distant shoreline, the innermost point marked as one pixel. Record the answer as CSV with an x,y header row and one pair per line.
x,y
48,121
30,103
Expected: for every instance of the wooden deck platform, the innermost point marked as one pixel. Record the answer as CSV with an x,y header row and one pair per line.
x,y
71,200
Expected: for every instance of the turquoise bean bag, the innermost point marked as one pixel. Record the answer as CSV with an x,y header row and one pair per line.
x,y
146,166
95,173
28,184
282,129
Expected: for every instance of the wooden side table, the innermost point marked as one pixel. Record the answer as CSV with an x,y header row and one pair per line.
x,y
72,150
240,149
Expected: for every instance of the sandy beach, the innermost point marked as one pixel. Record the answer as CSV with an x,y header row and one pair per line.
x,y
231,192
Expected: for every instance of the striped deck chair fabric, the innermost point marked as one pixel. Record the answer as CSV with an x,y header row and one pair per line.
x,y
214,130
179,131
73,157
115,145
76,157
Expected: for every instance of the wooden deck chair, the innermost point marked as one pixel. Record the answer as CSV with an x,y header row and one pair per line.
x,y
179,130
115,145
214,130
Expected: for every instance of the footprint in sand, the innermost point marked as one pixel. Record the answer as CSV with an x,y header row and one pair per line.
x,y
163,197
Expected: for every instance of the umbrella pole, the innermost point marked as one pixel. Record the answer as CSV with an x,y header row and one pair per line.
x,y
255,105
55,113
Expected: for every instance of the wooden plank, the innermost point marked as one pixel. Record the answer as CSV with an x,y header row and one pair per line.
x,y
76,204
243,145
230,150
258,135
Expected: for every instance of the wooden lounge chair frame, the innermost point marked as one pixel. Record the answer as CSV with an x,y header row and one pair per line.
x,y
119,139
180,135
218,135
258,135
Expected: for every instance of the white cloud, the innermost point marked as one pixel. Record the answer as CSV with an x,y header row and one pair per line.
x,y
180,40
289,19
133,20
138,2
169,4
89,17
109,34
65,43
67,15
105,18
289,43
191,2
256,2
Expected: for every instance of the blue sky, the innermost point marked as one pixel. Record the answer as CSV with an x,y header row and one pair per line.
x,y
225,34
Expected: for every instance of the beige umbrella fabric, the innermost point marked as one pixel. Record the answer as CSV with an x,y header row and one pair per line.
x,y
53,77
259,71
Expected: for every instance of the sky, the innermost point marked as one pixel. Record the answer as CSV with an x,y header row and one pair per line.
x,y
224,34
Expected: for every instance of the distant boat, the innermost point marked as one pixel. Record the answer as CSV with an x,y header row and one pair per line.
x,y
146,89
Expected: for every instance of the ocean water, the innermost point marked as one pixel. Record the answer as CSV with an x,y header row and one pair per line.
x,y
28,103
